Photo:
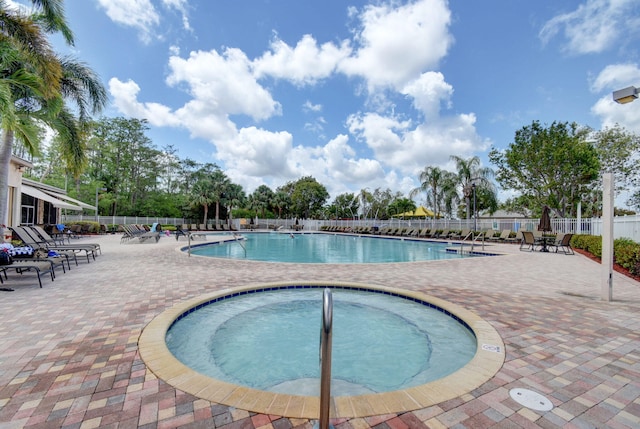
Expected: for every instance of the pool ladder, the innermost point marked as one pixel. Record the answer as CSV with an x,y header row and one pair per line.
x,y
325,359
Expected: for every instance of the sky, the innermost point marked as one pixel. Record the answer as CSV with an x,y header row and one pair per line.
x,y
357,94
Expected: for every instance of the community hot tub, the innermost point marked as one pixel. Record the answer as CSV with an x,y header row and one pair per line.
x,y
293,396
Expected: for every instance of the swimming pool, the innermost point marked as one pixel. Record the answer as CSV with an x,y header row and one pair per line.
x,y
328,248
269,341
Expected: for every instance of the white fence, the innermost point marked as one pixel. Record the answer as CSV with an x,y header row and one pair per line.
x,y
623,226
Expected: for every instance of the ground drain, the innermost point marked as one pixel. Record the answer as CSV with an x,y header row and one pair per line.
x,y
531,399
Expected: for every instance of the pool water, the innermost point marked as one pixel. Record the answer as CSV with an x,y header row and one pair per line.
x,y
270,341
327,248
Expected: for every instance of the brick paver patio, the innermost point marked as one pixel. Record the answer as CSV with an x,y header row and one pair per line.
x,y
69,356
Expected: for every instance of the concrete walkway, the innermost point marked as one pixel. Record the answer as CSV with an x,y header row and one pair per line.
x,y
69,356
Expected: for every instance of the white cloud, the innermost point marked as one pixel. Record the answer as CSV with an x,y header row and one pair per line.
x,y
428,92
303,65
308,106
258,152
616,75
397,44
125,99
180,6
223,83
139,14
594,26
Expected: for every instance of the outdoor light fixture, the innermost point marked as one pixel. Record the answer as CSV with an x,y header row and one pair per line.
x,y
626,95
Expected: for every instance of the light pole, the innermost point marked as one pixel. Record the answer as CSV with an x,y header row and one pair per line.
x,y
625,95
621,96
98,188
475,218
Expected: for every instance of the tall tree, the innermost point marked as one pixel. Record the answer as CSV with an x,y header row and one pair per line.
x,y
234,197
307,196
551,165
471,174
401,205
281,201
35,84
345,206
261,199
617,150
436,184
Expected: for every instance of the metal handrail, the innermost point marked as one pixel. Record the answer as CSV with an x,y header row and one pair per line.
x,y
473,240
325,358
237,238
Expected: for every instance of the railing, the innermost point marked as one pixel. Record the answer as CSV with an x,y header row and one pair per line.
x,y
325,358
238,239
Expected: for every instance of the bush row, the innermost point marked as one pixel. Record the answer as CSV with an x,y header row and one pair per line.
x,y
626,252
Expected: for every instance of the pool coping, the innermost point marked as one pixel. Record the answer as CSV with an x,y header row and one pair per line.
x,y
487,361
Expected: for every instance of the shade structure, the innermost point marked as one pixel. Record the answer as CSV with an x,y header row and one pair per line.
x,y
422,212
71,200
36,193
419,212
545,220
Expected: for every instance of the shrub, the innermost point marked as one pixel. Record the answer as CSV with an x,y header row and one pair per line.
x,y
626,252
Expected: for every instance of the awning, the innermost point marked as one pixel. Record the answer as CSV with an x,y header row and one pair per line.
x,y
36,193
71,200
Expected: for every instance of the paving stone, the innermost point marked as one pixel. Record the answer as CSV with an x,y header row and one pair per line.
x,y
69,358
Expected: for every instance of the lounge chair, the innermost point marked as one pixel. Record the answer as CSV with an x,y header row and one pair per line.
x,y
39,268
460,235
180,231
30,238
47,238
444,234
563,243
517,238
504,235
139,232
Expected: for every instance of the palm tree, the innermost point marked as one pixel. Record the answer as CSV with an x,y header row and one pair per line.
x,y
34,85
219,184
281,200
434,182
471,173
234,197
200,196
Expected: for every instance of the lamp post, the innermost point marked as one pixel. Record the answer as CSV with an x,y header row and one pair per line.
x,y
621,96
98,189
475,218
625,95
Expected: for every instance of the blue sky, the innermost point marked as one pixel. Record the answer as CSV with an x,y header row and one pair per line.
x,y
356,94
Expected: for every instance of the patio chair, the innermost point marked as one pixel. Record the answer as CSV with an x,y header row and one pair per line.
x,y
528,241
563,243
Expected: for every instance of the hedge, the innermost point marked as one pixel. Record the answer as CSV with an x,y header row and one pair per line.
x,y
626,252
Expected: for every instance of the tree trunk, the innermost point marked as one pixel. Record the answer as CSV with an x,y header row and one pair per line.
x,y
6,143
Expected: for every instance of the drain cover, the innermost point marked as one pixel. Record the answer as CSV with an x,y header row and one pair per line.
x,y
531,399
